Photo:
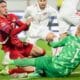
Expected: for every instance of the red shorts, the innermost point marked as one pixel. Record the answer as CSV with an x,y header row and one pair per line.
x,y
27,50
5,48
20,53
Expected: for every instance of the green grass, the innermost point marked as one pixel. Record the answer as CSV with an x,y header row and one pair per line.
x,y
44,45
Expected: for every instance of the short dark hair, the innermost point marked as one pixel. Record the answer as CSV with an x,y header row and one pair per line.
x,y
1,1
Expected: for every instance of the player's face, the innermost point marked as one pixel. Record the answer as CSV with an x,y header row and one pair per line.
x,y
42,3
3,9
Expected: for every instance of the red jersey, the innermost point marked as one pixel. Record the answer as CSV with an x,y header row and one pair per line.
x,y
8,28
7,24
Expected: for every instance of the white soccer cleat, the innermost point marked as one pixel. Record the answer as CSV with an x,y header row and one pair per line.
x,y
5,70
6,59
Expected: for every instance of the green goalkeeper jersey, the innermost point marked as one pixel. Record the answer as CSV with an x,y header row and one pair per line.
x,y
57,66
69,57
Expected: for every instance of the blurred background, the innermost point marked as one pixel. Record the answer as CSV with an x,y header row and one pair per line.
x,y
20,5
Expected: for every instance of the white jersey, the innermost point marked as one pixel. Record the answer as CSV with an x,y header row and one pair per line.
x,y
68,15
38,28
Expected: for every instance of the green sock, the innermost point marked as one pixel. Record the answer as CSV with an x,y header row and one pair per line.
x,y
25,62
11,62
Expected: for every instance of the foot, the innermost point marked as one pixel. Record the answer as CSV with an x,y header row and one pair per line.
x,y
7,62
6,59
5,70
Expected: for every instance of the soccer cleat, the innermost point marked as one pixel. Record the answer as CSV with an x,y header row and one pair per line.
x,y
6,59
5,70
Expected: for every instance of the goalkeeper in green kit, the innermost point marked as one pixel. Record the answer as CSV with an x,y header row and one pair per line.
x,y
57,66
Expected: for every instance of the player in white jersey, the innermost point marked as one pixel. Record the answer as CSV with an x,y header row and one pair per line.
x,y
39,15
68,15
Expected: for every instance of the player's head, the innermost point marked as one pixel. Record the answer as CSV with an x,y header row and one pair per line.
x,y
42,3
3,8
63,35
78,31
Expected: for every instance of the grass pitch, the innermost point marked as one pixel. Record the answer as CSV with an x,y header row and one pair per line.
x,y
74,76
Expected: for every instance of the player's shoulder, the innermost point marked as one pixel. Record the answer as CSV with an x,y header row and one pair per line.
x,y
52,10
30,7
11,15
50,7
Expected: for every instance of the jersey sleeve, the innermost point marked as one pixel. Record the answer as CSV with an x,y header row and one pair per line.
x,y
59,43
26,14
20,25
15,31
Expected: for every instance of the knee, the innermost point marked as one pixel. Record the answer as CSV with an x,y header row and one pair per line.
x,y
43,52
38,53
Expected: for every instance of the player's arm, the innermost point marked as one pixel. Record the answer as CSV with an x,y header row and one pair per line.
x,y
72,18
27,17
60,43
15,20
20,23
19,29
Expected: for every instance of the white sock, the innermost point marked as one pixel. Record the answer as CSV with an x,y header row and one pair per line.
x,y
6,58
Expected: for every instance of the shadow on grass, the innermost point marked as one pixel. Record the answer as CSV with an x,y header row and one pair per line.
x,y
75,74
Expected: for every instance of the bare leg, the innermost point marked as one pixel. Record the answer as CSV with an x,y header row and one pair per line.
x,y
37,51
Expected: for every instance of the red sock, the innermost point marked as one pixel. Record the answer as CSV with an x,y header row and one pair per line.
x,y
19,70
